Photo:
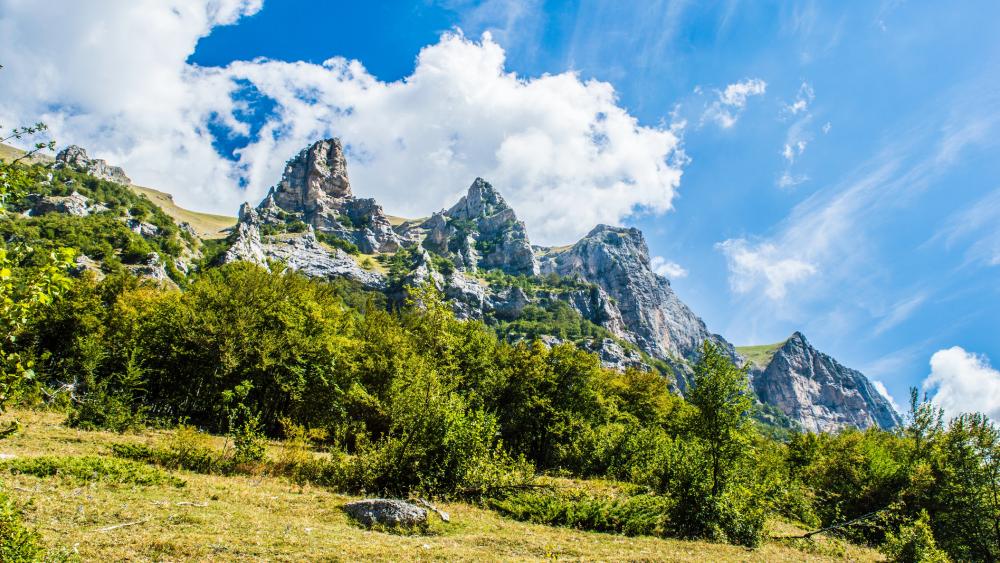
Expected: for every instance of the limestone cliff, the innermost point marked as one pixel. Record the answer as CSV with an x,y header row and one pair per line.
x,y
818,392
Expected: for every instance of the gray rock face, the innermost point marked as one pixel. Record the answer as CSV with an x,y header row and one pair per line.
x,y
247,245
152,269
315,187
73,204
617,260
820,394
386,512
76,158
314,179
300,252
614,356
481,232
303,253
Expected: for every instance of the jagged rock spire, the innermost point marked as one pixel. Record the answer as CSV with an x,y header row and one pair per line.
x,y
75,157
314,178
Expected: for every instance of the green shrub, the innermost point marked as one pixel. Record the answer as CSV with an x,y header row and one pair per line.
x,y
18,543
338,242
249,441
99,410
187,448
91,468
914,543
639,515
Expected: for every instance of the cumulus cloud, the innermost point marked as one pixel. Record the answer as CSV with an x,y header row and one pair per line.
x,y
731,102
666,268
762,268
963,382
560,149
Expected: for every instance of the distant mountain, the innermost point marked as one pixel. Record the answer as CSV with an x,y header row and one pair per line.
x,y
599,293
814,389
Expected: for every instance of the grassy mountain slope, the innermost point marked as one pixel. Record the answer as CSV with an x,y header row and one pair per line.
x,y
206,225
246,518
760,356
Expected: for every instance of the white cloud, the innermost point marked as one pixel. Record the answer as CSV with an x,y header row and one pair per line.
x,y
666,268
963,382
789,180
726,110
762,267
560,149
880,387
794,149
803,98
826,127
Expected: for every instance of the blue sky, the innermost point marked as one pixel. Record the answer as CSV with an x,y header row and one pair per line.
x,y
824,167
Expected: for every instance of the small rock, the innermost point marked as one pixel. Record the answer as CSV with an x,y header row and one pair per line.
x,y
387,512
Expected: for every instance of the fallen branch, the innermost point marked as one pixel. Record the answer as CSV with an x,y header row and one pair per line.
x,y
441,514
124,525
188,503
808,535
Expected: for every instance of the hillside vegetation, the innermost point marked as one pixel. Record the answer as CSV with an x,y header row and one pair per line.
x,y
151,412
253,517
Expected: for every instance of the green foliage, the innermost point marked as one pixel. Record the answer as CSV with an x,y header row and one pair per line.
x,y
338,242
23,292
551,317
638,515
914,543
102,236
18,543
245,429
552,283
100,409
91,468
721,394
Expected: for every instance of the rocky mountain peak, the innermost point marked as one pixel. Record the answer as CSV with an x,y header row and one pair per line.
x,y
617,260
481,231
314,178
481,200
818,392
315,189
75,157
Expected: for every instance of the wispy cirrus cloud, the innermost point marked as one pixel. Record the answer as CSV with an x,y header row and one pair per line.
x,y
976,226
725,111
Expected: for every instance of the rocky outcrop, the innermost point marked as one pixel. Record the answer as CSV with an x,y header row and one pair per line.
x,y
246,244
816,391
652,316
390,513
75,158
303,253
153,269
73,204
481,232
315,188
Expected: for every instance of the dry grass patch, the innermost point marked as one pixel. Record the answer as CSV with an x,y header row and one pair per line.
x,y
244,518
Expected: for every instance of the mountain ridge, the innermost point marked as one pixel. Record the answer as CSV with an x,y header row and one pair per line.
x,y
478,254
